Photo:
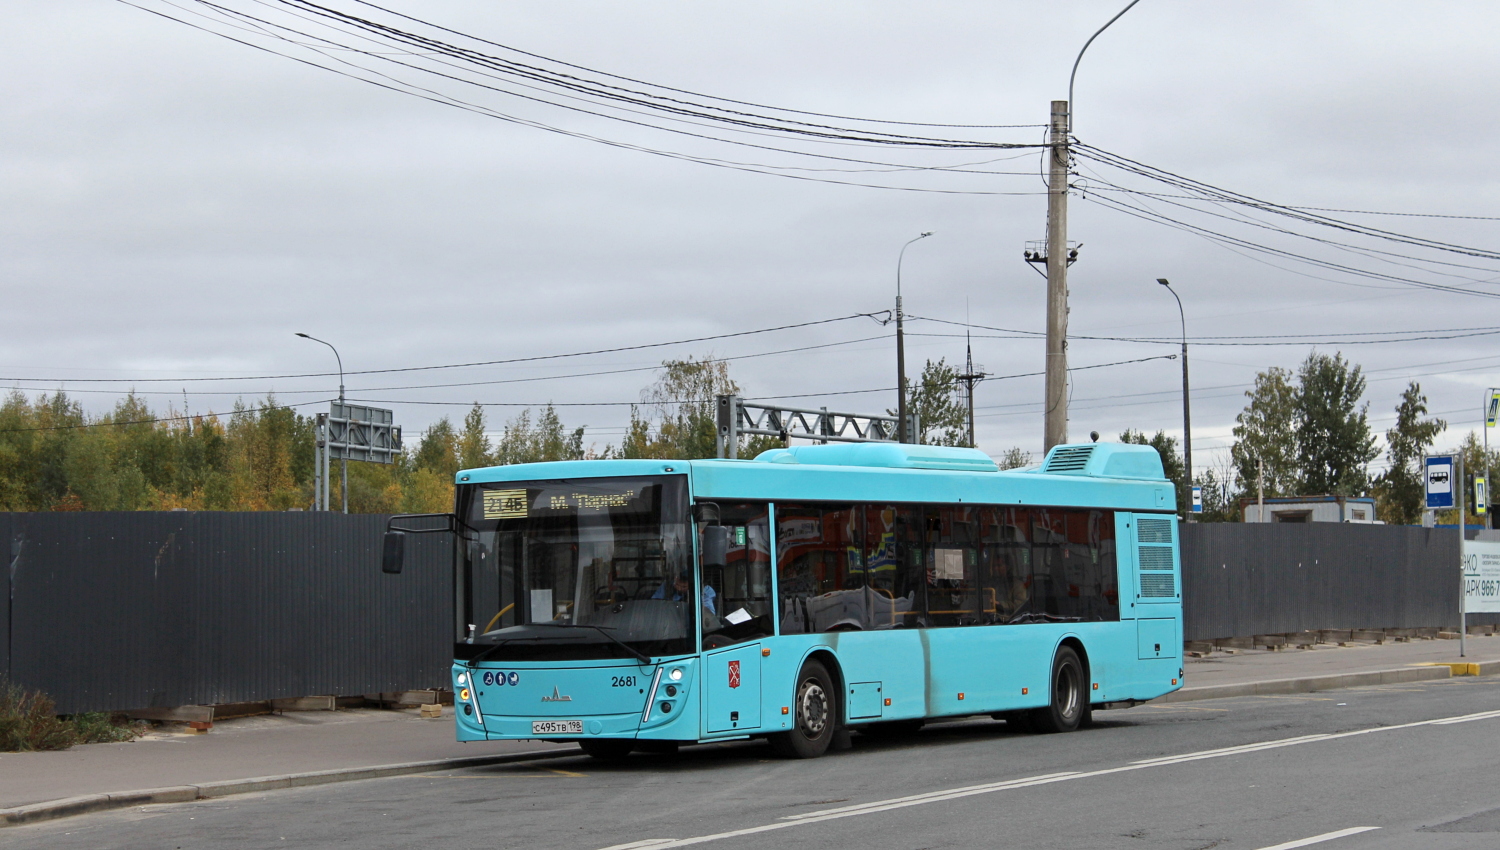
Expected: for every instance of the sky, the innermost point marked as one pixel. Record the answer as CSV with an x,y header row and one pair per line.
x,y
176,205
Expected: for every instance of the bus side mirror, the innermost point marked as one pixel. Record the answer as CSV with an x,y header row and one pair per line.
x,y
715,546
393,551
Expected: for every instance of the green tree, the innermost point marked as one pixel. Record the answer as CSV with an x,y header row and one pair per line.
x,y
677,417
1171,462
474,448
546,439
1399,491
1334,443
938,401
437,450
1265,435
1014,458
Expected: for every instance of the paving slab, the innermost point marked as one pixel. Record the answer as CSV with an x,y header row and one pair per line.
x,y
249,747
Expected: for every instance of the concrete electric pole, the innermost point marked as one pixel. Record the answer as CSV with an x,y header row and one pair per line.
x,y
1055,427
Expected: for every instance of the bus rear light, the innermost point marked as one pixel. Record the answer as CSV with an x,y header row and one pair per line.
x,y
1096,686
1174,681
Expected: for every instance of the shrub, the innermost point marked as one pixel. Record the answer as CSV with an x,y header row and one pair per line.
x,y
27,722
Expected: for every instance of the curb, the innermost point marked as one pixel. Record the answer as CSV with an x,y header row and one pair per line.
x,y
70,806
1309,684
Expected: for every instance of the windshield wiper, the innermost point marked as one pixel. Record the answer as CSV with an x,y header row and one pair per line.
x,y
502,642
603,630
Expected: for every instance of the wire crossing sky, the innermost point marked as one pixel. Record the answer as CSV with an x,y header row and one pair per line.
x,y
479,189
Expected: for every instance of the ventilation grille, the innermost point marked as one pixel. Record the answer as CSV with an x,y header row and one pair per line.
x,y
1158,586
1155,530
1068,459
1156,558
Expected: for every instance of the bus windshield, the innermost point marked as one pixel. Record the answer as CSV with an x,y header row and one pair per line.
x,y
577,569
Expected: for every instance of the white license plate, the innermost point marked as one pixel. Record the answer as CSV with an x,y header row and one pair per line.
x,y
557,727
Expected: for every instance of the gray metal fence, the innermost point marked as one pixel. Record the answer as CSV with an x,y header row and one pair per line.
x,y
137,610
1246,579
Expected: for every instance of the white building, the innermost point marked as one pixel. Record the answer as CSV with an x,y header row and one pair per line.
x,y
1359,509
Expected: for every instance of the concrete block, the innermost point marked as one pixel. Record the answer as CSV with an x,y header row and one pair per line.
x,y
177,714
319,703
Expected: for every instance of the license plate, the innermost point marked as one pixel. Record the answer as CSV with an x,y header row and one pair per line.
x,y
557,727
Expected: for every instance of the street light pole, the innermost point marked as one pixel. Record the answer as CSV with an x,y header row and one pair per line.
x,y
902,436
1187,418
344,460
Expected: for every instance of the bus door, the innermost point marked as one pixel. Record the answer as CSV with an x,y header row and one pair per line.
x,y
1157,593
733,689
736,616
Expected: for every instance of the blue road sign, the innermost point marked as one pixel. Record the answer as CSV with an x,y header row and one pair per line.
x,y
1439,477
1197,499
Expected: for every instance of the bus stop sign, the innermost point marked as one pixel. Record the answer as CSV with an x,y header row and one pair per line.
x,y
1439,477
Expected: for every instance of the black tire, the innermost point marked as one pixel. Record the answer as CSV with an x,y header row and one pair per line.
x,y
892,729
1070,696
814,715
607,749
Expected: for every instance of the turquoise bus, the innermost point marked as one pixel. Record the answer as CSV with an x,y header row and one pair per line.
x,y
643,604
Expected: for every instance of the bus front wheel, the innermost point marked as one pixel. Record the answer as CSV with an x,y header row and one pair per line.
x,y
814,715
1069,701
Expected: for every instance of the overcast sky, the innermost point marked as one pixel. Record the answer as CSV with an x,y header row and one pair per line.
x,y
175,205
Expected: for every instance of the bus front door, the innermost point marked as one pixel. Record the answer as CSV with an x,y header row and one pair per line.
x,y
733,689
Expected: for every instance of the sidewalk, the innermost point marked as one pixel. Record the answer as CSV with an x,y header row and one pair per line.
x,y
304,748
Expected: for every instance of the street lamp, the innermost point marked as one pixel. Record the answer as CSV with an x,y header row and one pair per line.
x,y
1187,419
344,460
902,436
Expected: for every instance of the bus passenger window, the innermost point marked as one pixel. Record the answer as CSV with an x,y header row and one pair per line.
x,y
821,569
740,590
952,568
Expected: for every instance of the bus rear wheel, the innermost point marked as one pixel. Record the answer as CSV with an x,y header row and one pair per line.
x,y
1069,701
607,749
814,715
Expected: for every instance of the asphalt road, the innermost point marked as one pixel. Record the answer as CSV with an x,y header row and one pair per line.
x,y
1413,766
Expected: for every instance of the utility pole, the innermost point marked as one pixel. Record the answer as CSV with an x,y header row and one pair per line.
x,y
970,378
1055,427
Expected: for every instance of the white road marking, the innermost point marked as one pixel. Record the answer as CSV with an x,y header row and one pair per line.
x,y
1319,839
1048,779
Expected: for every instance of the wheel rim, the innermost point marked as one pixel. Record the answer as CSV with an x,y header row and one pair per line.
x,y
1066,688
812,708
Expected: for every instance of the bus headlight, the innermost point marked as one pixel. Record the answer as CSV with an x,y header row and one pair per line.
x,y
463,678
675,674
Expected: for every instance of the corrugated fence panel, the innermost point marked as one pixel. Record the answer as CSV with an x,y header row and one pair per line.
x,y
133,610
1244,579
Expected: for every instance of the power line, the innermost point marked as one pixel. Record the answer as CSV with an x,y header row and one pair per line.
x,y
511,360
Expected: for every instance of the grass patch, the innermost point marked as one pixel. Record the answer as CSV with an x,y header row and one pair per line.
x,y
28,722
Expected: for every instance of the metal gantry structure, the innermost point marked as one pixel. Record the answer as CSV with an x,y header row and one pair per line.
x,y
737,418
